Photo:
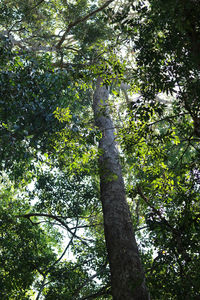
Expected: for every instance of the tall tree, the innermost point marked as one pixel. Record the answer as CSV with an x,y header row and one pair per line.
x,y
36,38
127,276
52,52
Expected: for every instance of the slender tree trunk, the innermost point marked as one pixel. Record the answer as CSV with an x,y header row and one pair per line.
x,y
127,276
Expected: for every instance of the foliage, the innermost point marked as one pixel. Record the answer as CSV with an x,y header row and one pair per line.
x,y
48,144
26,249
166,186
162,141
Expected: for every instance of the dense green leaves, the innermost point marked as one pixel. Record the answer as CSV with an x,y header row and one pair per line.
x,y
25,248
52,240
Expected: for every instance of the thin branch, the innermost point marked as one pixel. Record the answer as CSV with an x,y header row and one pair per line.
x,y
41,288
176,233
88,226
59,219
36,5
66,248
185,150
105,290
80,20
155,210
90,279
167,118
63,65
19,21
138,229
56,262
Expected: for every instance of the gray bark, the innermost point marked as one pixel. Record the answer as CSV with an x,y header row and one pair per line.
x,y
127,276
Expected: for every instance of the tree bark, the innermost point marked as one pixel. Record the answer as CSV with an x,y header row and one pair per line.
x,y
127,276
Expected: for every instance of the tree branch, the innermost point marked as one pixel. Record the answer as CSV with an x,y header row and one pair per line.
x,y
90,279
71,25
36,5
56,262
105,290
155,210
59,219
19,21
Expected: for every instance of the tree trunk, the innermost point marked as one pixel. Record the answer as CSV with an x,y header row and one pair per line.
x,y
127,276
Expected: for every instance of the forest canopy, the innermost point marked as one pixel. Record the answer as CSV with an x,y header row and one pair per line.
x,y
100,149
